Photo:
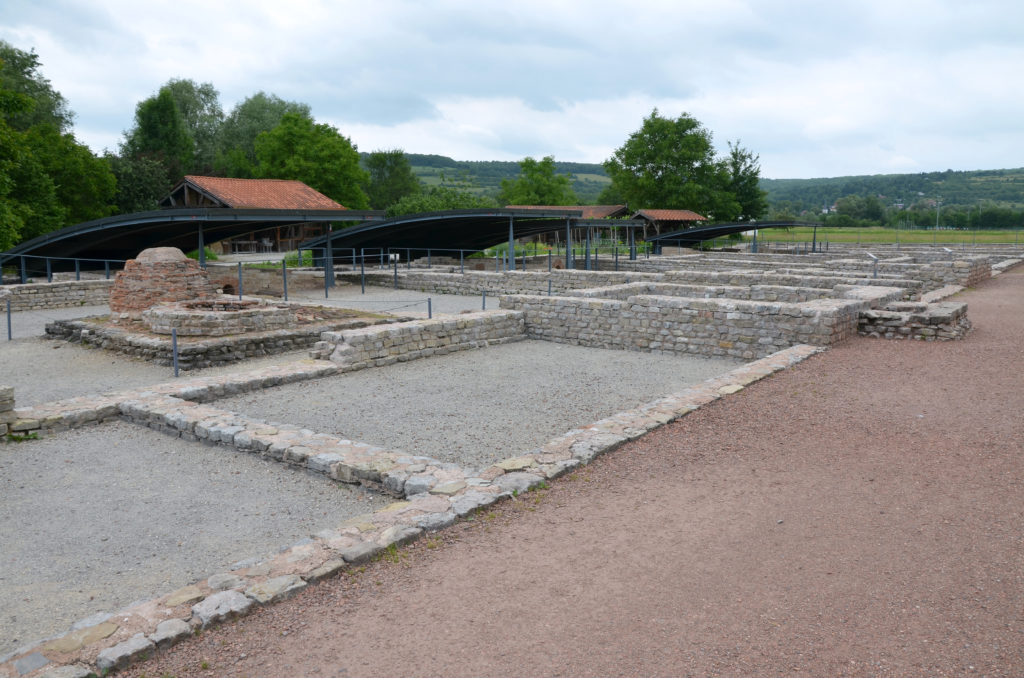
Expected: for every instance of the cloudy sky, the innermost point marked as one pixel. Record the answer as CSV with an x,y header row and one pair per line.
x,y
817,88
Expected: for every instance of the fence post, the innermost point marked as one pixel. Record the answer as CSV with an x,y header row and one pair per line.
x,y
239,281
396,273
284,277
78,272
49,270
106,269
362,268
9,320
430,309
549,287
549,261
428,258
483,305
462,261
174,349
24,272
326,274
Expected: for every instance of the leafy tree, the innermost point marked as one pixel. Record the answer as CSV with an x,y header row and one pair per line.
x,y
83,184
19,74
437,199
537,184
199,107
160,133
391,178
141,183
315,154
744,183
236,140
671,164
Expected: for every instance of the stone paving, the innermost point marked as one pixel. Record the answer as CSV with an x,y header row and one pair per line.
x,y
432,496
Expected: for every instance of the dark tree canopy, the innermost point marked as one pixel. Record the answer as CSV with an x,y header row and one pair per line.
x,y
437,199
537,184
671,164
745,183
199,107
236,140
19,73
160,133
391,178
315,154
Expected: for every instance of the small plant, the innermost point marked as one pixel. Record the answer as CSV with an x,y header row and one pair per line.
x,y
432,542
207,252
20,438
204,665
393,554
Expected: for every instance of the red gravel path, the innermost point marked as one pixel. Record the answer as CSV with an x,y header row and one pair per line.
x,y
859,514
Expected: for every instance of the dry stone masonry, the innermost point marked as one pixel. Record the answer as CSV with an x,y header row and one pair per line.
x,y
7,415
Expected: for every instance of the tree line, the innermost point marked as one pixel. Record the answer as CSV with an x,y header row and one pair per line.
x,y
49,180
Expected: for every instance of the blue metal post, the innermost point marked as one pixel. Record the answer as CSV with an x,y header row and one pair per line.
x,y
568,244
511,245
239,281
408,259
49,270
396,274
586,252
106,269
428,258
616,248
174,349
326,283
78,271
202,248
430,309
284,277
753,245
632,244
549,261
462,261
9,320
549,287
24,272
483,305
362,269
329,258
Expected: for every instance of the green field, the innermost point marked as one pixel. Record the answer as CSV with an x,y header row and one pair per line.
x,y
892,236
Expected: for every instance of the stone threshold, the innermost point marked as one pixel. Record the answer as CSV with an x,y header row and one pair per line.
x,y
104,643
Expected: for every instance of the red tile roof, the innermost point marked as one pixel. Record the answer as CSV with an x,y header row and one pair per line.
x,y
263,193
669,215
589,211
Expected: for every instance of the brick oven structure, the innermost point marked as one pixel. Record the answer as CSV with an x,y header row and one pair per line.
x,y
159,275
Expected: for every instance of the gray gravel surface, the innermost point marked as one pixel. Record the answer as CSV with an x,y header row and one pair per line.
x,y
94,519
477,407
395,302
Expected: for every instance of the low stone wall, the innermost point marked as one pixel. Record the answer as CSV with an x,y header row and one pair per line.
x,y
192,353
7,415
263,281
35,296
710,327
740,278
375,346
506,282
945,321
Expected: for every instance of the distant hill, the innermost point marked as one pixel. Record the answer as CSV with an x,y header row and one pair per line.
x,y
1003,188
484,176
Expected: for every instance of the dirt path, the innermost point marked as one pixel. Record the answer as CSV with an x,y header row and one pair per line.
x,y
860,514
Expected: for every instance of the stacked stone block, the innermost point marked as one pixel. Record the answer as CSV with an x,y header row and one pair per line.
x,y
680,325
946,321
35,296
386,345
160,275
7,416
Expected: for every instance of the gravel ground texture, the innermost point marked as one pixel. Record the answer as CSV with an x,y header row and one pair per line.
x,y
857,515
94,519
392,301
477,407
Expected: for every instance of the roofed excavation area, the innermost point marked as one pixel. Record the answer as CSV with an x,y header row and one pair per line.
x,y
307,437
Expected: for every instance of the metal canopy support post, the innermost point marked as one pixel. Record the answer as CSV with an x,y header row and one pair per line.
x,y
329,259
202,247
569,264
24,272
49,270
511,245
586,252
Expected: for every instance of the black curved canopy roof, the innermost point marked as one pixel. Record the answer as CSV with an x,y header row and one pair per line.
x,y
124,236
694,236
467,229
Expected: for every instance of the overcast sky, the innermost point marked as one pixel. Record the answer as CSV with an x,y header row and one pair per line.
x,y
818,88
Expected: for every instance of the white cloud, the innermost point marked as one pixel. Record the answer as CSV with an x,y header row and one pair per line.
x,y
817,89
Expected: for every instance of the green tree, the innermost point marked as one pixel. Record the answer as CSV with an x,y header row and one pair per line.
x,y
83,184
745,183
537,184
315,154
19,73
671,164
160,133
200,110
437,199
141,183
391,178
236,140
